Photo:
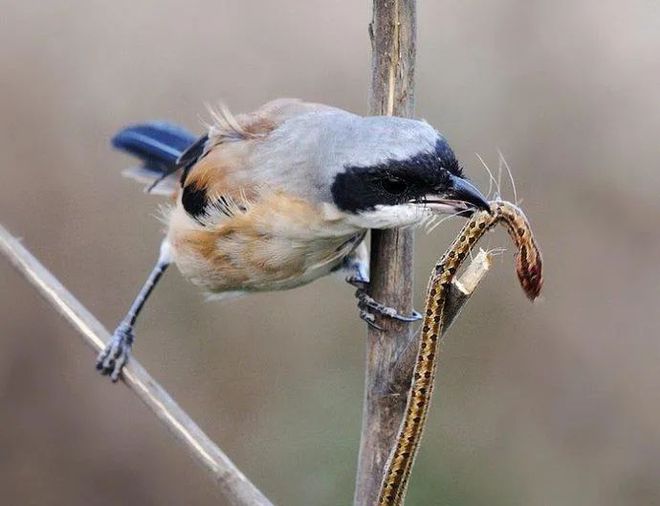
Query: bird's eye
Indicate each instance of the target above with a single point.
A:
(394, 185)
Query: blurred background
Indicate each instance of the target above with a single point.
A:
(552, 403)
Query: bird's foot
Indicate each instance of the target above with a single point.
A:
(368, 306)
(113, 358)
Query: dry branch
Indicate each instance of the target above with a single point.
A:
(391, 351)
(233, 484)
(393, 33)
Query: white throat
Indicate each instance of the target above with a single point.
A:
(402, 215)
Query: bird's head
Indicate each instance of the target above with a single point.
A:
(400, 191)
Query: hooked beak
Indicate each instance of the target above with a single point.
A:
(461, 196)
(464, 191)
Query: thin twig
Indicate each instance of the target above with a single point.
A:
(462, 288)
(233, 484)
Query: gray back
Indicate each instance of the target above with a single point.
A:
(306, 152)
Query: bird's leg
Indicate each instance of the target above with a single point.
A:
(116, 353)
(357, 266)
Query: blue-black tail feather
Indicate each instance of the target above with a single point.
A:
(157, 143)
(161, 147)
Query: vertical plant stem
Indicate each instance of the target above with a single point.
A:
(393, 33)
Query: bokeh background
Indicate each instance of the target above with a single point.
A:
(552, 403)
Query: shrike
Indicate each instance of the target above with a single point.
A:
(279, 197)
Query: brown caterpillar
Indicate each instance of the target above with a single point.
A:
(529, 270)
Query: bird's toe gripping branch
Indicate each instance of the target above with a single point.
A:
(368, 306)
(112, 359)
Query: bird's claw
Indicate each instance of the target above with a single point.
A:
(114, 356)
(368, 306)
(369, 318)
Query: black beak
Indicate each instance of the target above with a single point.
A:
(464, 191)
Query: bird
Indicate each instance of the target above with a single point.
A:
(279, 197)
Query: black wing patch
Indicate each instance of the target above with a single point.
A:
(199, 205)
(194, 201)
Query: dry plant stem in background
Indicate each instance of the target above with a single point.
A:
(393, 33)
(233, 484)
